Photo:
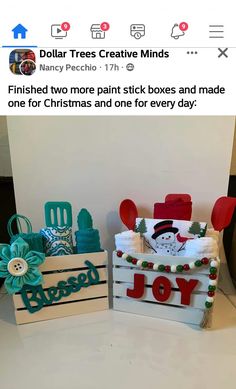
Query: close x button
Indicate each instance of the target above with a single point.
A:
(223, 52)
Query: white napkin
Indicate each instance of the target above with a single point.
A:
(129, 242)
(202, 247)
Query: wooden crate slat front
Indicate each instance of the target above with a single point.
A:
(146, 299)
(197, 300)
(91, 298)
(52, 279)
(85, 293)
(159, 259)
(56, 311)
(73, 261)
(127, 275)
(186, 315)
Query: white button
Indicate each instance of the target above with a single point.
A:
(17, 267)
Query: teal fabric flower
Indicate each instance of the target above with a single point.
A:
(19, 266)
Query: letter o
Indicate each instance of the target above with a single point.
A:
(163, 294)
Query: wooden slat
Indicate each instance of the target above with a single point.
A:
(74, 261)
(63, 310)
(185, 315)
(84, 293)
(127, 275)
(53, 279)
(197, 300)
(153, 258)
(71, 306)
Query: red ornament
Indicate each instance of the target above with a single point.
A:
(134, 261)
(205, 261)
(213, 276)
(167, 269)
(150, 265)
(119, 253)
(211, 294)
(186, 267)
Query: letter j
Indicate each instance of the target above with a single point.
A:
(139, 284)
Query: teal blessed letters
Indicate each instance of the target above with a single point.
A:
(34, 297)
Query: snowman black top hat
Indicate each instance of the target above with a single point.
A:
(162, 227)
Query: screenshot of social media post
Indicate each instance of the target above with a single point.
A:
(118, 195)
(132, 81)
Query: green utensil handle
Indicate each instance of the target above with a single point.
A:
(17, 217)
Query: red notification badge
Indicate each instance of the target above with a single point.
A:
(105, 26)
(65, 26)
(183, 26)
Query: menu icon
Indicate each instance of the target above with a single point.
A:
(216, 31)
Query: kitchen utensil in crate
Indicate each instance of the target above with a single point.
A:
(58, 214)
(222, 212)
(87, 238)
(173, 208)
(128, 213)
(58, 232)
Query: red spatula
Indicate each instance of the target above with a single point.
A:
(222, 212)
(128, 213)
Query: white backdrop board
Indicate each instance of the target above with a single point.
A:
(95, 162)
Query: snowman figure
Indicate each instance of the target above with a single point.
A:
(164, 236)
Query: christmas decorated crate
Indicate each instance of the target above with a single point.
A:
(167, 287)
(72, 285)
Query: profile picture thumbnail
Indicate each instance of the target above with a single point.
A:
(22, 62)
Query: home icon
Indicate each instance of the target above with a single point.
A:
(97, 32)
(19, 32)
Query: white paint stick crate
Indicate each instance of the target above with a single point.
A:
(60, 294)
(129, 294)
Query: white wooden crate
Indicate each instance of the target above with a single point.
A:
(55, 269)
(172, 308)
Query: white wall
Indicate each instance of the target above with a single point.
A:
(5, 161)
(95, 162)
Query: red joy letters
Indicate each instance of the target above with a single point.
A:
(162, 288)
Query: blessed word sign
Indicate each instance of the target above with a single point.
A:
(35, 297)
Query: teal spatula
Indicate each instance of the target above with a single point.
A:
(58, 214)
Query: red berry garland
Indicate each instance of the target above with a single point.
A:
(213, 276)
(211, 294)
